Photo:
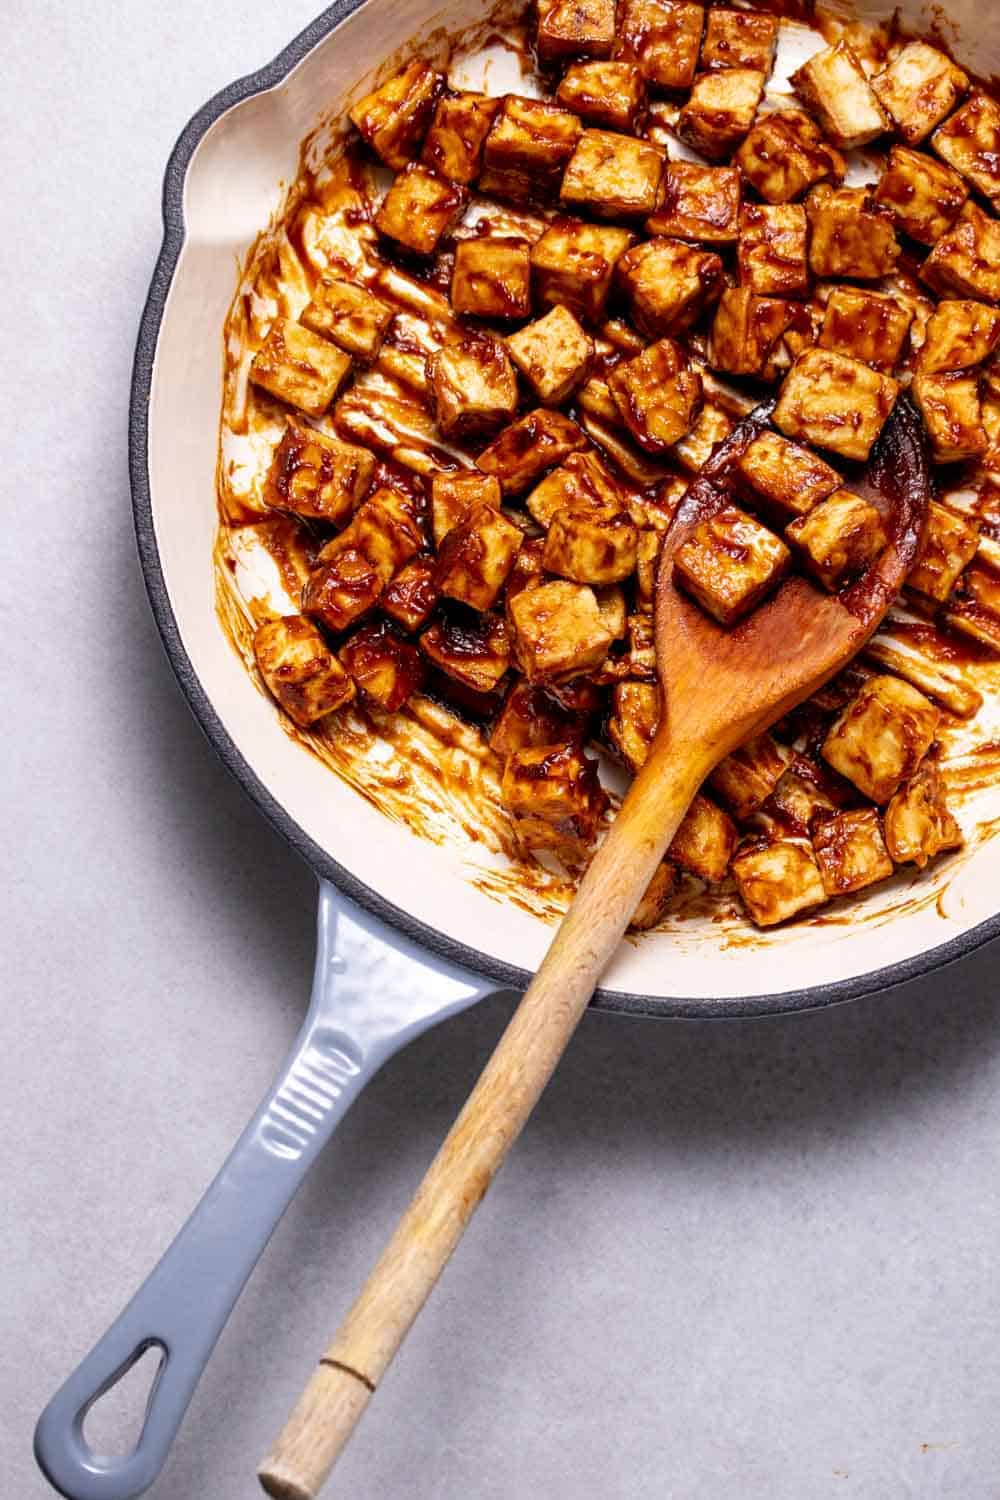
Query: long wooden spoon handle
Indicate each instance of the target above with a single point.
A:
(492, 1118)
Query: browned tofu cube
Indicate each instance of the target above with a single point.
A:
(772, 249)
(847, 236)
(299, 367)
(633, 721)
(959, 335)
(918, 822)
(835, 402)
(839, 537)
(393, 118)
(655, 899)
(300, 670)
(553, 354)
(492, 277)
(782, 479)
(342, 590)
(524, 451)
(556, 783)
(662, 38)
(970, 142)
(832, 84)
(473, 650)
(882, 736)
(559, 631)
(923, 196)
(804, 789)
(869, 326)
(720, 110)
(730, 563)
(777, 879)
(668, 284)
(711, 427)
(387, 669)
(658, 395)
(738, 39)
(592, 544)
(387, 529)
(613, 176)
(953, 413)
(611, 95)
(966, 260)
(754, 335)
(476, 557)
(575, 28)
(527, 572)
(572, 265)
(698, 203)
(918, 88)
(784, 154)
(947, 546)
(420, 208)
(581, 483)
(412, 594)
(454, 143)
(316, 476)
(532, 139)
(473, 386)
(850, 850)
(454, 495)
(531, 717)
(747, 777)
(703, 845)
(354, 319)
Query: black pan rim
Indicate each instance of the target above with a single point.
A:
(506, 976)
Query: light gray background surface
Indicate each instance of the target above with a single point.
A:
(727, 1262)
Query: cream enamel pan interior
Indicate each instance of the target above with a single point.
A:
(224, 183)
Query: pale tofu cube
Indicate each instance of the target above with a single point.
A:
(393, 118)
(953, 413)
(772, 247)
(746, 778)
(835, 402)
(524, 451)
(316, 476)
(662, 38)
(869, 326)
(531, 717)
(754, 335)
(610, 95)
(882, 736)
(387, 529)
(923, 196)
(591, 545)
(839, 538)
(850, 850)
(572, 265)
(559, 631)
(655, 899)
(556, 783)
(720, 110)
(473, 386)
(300, 670)
(698, 203)
(918, 822)
(782, 479)
(581, 483)
(730, 563)
(832, 84)
(386, 669)
(299, 367)
(420, 208)
(633, 721)
(738, 39)
(575, 28)
(613, 176)
(454, 495)
(919, 87)
(454, 143)
(492, 277)
(343, 590)
(785, 154)
(703, 845)
(553, 354)
(668, 285)
(966, 260)
(474, 651)
(959, 335)
(847, 236)
(658, 395)
(777, 878)
(948, 545)
(476, 556)
(350, 316)
(970, 142)
(530, 140)
(412, 594)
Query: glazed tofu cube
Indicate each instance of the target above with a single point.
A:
(553, 354)
(738, 39)
(641, 657)
(703, 845)
(572, 265)
(835, 402)
(772, 249)
(393, 118)
(698, 203)
(918, 822)
(386, 529)
(556, 783)
(948, 545)
(342, 590)
(299, 367)
(420, 208)
(747, 777)
(476, 557)
(591, 545)
(611, 95)
(959, 336)
(657, 394)
(575, 28)
(782, 479)
(918, 88)
(581, 483)
(655, 899)
(300, 670)
(784, 154)
(387, 669)
(559, 631)
(839, 538)
(355, 320)
(527, 572)
(473, 650)
(754, 335)
(720, 110)
(532, 138)
(473, 386)
(970, 142)
(923, 196)
(662, 38)
(953, 413)
(613, 176)
(412, 594)
(492, 278)
(730, 563)
(454, 143)
(711, 427)
(777, 878)
(632, 724)
(523, 452)
(668, 284)
(646, 563)
(531, 717)
(869, 326)
(832, 84)
(454, 495)
(316, 476)
(850, 850)
(882, 736)
(847, 236)
(966, 260)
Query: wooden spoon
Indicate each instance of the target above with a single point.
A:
(720, 688)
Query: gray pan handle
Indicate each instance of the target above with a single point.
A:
(373, 992)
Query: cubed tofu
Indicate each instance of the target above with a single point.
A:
(454, 495)
(658, 395)
(473, 386)
(835, 402)
(531, 139)
(531, 717)
(839, 538)
(966, 260)
(668, 285)
(919, 87)
(655, 899)
(355, 320)
(712, 425)
(772, 249)
(316, 476)
(387, 669)
(473, 650)
(959, 335)
(655, 509)
(785, 154)
(923, 196)
(610, 95)
(738, 39)
(454, 143)
(343, 590)
(869, 326)
(947, 546)
(553, 354)
(559, 631)
(633, 721)
(833, 85)
(662, 38)
(754, 335)
(299, 367)
(572, 265)
(782, 479)
(970, 142)
(412, 595)
(804, 789)
(882, 736)
(953, 413)
(591, 545)
(393, 118)
(492, 277)
(730, 563)
(720, 110)
(476, 557)
(848, 236)
(420, 208)
(300, 670)
(556, 783)
(850, 850)
(387, 529)
(613, 176)
(646, 564)
(777, 878)
(703, 845)
(918, 822)
(523, 452)
(746, 778)
(583, 482)
(698, 203)
(527, 572)
(575, 28)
